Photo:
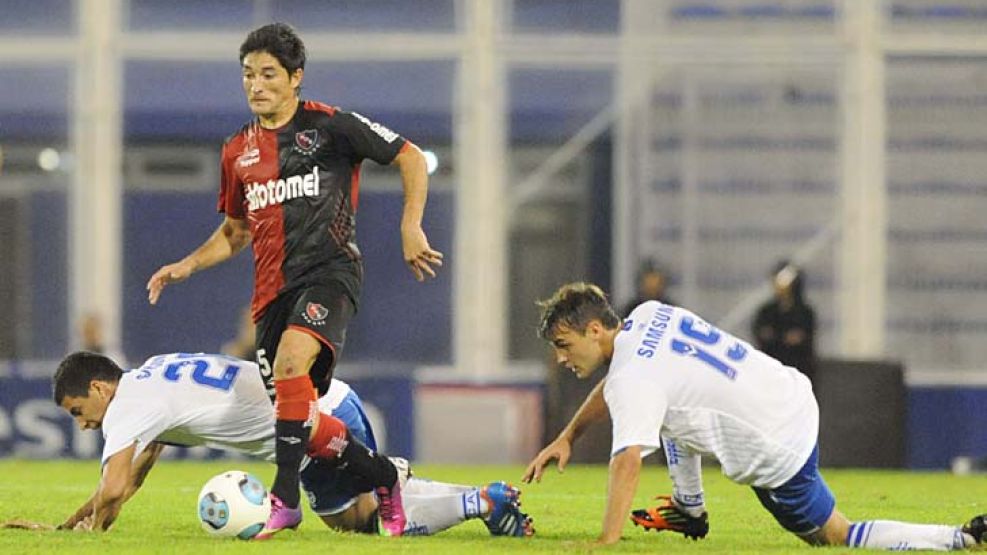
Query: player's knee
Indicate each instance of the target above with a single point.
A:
(345, 521)
(296, 354)
(359, 517)
(291, 364)
(285, 370)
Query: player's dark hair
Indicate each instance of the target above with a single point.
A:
(279, 40)
(78, 370)
(573, 307)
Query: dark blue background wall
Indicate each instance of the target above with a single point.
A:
(400, 319)
(946, 422)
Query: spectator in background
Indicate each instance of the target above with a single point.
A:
(651, 285)
(93, 339)
(91, 333)
(785, 326)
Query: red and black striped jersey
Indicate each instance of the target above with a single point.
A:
(298, 188)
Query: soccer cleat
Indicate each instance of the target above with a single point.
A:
(505, 518)
(390, 509)
(669, 517)
(977, 529)
(281, 518)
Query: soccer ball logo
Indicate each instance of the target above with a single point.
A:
(234, 504)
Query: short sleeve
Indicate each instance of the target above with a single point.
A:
(637, 410)
(230, 188)
(128, 422)
(367, 139)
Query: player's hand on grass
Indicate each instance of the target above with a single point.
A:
(172, 273)
(21, 524)
(78, 523)
(418, 255)
(84, 525)
(560, 449)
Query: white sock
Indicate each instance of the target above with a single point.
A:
(421, 486)
(685, 469)
(903, 536)
(432, 513)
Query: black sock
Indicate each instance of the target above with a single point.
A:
(290, 441)
(375, 469)
(372, 526)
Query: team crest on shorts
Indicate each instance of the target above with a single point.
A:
(306, 141)
(315, 314)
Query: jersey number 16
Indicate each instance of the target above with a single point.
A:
(702, 336)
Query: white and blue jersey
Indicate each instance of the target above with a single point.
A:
(220, 401)
(199, 399)
(191, 400)
(674, 375)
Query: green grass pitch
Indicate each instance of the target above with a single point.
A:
(567, 510)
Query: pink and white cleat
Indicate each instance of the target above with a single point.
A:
(390, 508)
(281, 518)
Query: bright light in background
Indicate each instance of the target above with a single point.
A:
(49, 159)
(431, 161)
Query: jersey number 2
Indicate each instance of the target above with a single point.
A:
(200, 373)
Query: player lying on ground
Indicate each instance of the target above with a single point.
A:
(672, 376)
(219, 401)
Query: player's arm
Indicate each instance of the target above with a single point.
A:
(141, 467)
(231, 237)
(84, 512)
(625, 472)
(113, 485)
(593, 409)
(139, 470)
(419, 256)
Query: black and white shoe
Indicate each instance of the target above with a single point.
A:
(977, 529)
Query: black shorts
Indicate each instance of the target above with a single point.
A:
(321, 311)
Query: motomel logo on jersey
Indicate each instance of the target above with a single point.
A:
(262, 195)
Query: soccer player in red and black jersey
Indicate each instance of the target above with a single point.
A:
(290, 184)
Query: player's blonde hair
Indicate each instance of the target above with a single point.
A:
(573, 307)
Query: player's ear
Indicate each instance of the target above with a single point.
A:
(295, 79)
(98, 388)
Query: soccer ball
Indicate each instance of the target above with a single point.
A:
(234, 504)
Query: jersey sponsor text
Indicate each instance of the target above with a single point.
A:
(262, 195)
(377, 128)
(656, 330)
